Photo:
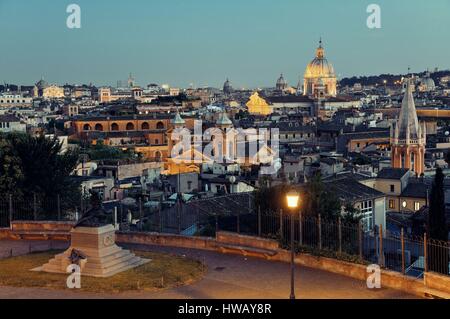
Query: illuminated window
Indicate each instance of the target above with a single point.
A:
(416, 206)
(391, 204)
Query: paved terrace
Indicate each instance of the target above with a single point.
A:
(228, 276)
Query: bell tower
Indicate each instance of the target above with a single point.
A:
(408, 137)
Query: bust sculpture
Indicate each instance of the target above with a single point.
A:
(95, 216)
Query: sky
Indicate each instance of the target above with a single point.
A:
(203, 42)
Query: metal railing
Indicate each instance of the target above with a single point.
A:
(410, 255)
(35, 209)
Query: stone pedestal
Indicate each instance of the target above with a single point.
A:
(103, 257)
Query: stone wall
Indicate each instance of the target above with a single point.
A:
(37, 230)
(166, 240)
(437, 282)
(242, 240)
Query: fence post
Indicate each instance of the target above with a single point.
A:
(10, 211)
(281, 224)
(34, 207)
(121, 212)
(381, 256)
(340, 235)
(58, 203)
(259, 221)
(179, 216)
(115, 217)
(197, 214)
(217, 224)
(300, 227)
(402, 234)
(319, 226)
(425, 252)
(360, 240)
(160, 215)
(238, 228)
(141, 216)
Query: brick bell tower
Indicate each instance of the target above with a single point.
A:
(408, 137)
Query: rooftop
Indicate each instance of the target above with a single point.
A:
(349, 189)
(392, 173)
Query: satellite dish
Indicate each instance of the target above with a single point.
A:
(447, 133)
(232, 179)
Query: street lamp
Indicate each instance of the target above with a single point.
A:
(293, 198)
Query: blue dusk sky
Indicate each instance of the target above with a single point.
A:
(205, 41)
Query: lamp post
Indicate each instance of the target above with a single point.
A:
(292, 202)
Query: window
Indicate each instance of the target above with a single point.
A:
(367, 215)
(392, 188)
(391, 204)
(416, 206)
(189, 185)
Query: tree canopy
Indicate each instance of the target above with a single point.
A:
(35, 165)
(315, 199)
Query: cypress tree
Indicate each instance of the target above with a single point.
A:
(438, 256)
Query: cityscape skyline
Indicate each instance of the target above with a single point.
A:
(251, 49)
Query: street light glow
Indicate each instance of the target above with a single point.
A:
(292, 199)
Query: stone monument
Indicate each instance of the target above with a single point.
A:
(93, 247)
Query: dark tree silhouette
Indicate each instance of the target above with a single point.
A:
(438, 256)
(35, 166)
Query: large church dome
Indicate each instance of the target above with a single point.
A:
(320, 74)
(227, 88)
(319, 67)
(281, 83)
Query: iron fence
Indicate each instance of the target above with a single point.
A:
(35, 209)
(410, 255)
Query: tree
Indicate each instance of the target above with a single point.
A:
(11, 175)
(438, 256)
(351, 215)
(271, 199)
(315, 199)
(437, 224)
(101, 151)
(35, 166)
(322, 200)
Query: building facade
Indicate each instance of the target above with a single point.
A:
(320, 76)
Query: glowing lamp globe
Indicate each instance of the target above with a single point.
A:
(292, 199)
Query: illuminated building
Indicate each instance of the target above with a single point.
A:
(408, 138)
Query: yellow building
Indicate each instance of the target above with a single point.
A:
(53, 92)
(257, 105)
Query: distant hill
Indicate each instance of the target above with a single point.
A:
(391, 78)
